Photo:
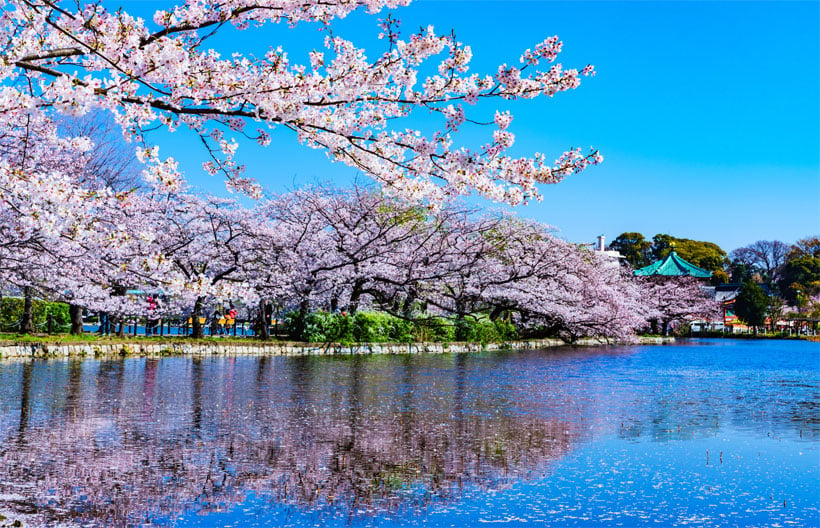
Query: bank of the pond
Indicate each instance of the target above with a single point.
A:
(274, 348)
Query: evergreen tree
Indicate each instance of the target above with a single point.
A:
(751, 304)
(634, 248)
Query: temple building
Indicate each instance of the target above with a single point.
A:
(672, 266)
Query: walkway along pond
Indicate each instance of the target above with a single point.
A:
(699, 433)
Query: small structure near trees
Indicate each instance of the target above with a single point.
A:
(674, 292)
(672, 265)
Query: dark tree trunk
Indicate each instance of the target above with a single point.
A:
(461, 325)
(195, 323)
(75, 313)
(355, 295)
(262, 322)
(27, 321)
(301, 320)
(118, 291)
(407, 309)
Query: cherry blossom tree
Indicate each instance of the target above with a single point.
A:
(41, 203)
(205, 242)
(675, 299)
(72, 58)
(337, 250)
(552, 287)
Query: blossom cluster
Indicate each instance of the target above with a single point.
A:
(74, 58)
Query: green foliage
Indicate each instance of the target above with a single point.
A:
(740, 273)
(378, 327)
(319, 327)
(481, 328)
(806, 247)
(363, 327)
(719, 277)
(634, 248)
(11, 311)
(435, 329)
(706, 255)
(751, 304)
(801, 274)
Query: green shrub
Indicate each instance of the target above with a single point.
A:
(11, 311)
(319, 327)
(379, 327)
(435, 329)
(481, 328)
(370, 327)
(506, 330)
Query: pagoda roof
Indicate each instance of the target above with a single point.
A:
(673, 266)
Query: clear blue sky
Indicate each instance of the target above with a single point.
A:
(707, 113)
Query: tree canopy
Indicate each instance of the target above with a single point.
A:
(640, 252)
(800, 279)
(752, 304)
(633, 247)
(160, 72)
(706, 255)
(765, 257)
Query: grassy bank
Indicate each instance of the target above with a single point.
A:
(96, 339)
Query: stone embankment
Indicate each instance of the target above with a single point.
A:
(274, 348)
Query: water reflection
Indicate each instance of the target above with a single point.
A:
(134, 441)
(143, 441)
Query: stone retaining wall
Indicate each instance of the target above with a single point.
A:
(256, 348)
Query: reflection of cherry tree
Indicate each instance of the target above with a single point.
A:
(95, 457)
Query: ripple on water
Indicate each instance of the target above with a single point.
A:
(702, 434)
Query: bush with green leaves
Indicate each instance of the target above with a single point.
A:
(11, 312)
(482, 328)
(435, 329)
(319, 327)
(379, 327)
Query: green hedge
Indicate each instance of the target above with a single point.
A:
(11, 311)
(379, 327)
(481, 328)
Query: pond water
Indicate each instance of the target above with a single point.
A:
(702, 433)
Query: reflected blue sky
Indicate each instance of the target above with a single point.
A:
(700, 434)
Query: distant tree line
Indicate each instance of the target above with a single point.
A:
(777, 277)
(640, 252)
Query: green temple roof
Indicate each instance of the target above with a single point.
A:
(673, 266)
